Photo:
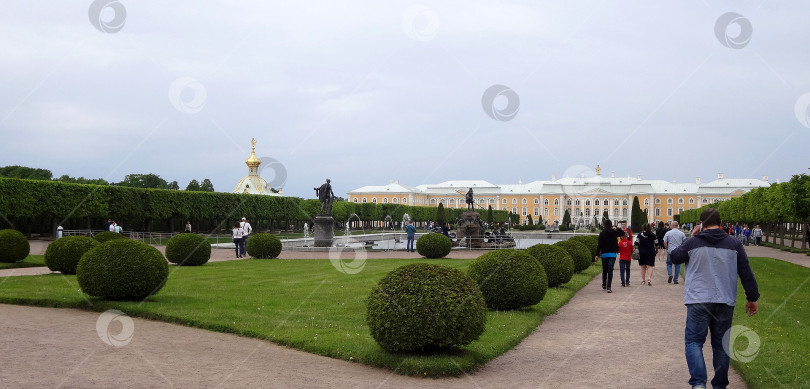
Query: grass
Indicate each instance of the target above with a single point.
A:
(29, 261)
(782, 324)
(303, 304)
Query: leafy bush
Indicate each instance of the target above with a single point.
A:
(579, 253)
(106, 236)
(562, 227)
(423, 307)
(122, 269)
(557, 263)
(14, 246)
(63, 254)
(590, 241)
(263, 245)
(509, 279)
(188, 250)
(433, 245)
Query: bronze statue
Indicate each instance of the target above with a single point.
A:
(470, 201)
(325, 195)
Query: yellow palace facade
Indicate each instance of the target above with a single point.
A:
(583, 197)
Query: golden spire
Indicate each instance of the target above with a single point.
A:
(598, 170)
(252, 162)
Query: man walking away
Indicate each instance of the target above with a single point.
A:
(713, 261)
(608, 247)
(411, 230)
(672, 239)
(757, 234)
(246, 230)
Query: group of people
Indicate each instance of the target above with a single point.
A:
(112, 226)
(744, 234)
(241, 231)
(714, 260)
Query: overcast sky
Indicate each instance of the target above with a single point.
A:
(365, 92)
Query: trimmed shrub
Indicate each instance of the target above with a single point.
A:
(63, 254)
(424, 307)
(188, 250)
(557, 263)
(263, 245)
(433, 245)
(14, 246)
(122, 269)
(509, 279)
(590, 241)
(579, 253)
(106, 236)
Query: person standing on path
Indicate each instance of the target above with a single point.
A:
(188, 226)
(608, 247)
(238, 233)
(659, 235)
(625, 259)
(411, 230)
(647, 251)
(746, 235)
(713, 261)
(672, 239)
(246, 230)
(757, 234)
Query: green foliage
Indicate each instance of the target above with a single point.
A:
(433, 245)
(509, 279)
(579, 253)
(206, 186)
(122, 269)
(441, 218)
(529, 220)
(263, 245)
(150, 180)
(637, 217)
(566, 221)
(590, 241)
(557, 263)
(490, 216)
(194, 186)
(82, 180)
(105, 236)
(29, 173)
(14, 246)
(188, 249)
(63, 254)
(424, 307)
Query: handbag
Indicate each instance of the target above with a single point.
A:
(635, 256)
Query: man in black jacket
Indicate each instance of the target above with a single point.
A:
(608, 247)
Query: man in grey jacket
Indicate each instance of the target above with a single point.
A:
(713, 261)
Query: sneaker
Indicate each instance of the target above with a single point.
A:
(604, 287)
(649, 283)
(609, 291)
(699, 387)
(669, 281)
(675, 282)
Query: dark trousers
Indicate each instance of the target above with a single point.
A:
(244, 245)
(624, 272)
(607, 270)
(702, 320)
(409, 245)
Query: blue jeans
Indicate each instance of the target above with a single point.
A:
(607, 270)
(409, 245)
(701, 318)
(669, 269)
(244, 245)
(624, 272)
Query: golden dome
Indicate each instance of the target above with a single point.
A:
(252, 161)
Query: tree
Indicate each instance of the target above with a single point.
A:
(193, 185)
(150, 180)
(82, 180)
(174, 185)
(605, 217)
(490, 216)
(207, 186)
(566, 219)
(529, 218)
(29, 173)
(441, 218)
(638, 217)
(539, 219)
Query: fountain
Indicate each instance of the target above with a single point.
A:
(405, 220)
(348, 229)
(388, 222)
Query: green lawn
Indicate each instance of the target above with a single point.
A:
(782, 324)
(304, 304)
(29, 261)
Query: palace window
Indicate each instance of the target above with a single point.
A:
(503, 209)
(680, 211)
(545, 202)
(374, 200)
(596, 211)
(536, 211)
(624, 212)
(616, 202)
(657, 212)
(556, 201)
(680, 201)
(669, 212)
(646, 202)
(442, 201)
(658, 201)
(514, 209)
(669, 201)
(404, 200)
(568, 202)
(545, 212)
(556, 212)
(492, 201)
(576, 202)
(587, 202)
(691, 200)
(525, 201)
(523, 211)
(705, 201)
(385, 200)
(452, 201)
(587, 212)
(514, 201)
(432, 201)
(355, 199)
(624, 202)
(364, 199)
(537, 201)
(596, 202)
(394, 200)
(615, 212)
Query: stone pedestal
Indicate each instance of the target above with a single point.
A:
(472, 227)
(324, 231)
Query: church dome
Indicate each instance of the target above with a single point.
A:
(253, 183)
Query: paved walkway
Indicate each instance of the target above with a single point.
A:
(631, 338)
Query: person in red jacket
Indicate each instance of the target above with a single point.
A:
(625, 254)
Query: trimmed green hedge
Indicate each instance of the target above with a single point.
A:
(424, 307)
(434, 245)
(557, 263)
(590, 241)
(122, 269)
(63, 254)
(106, 236)
(509, 279)
(579, 252)
(188, 249)
(14, 246)
(263, 245)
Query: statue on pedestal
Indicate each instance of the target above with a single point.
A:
(470, 201)
(325, 195)
(324, 223)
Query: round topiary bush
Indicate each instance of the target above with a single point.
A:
(433, 245)
(263, 245)
(424, 307)
(557, 263)
(579, 253)
(106, 236)
(509, 279)
(63, 254)
(122, 269)
(188, 250)
(14, 246)
(590, 241)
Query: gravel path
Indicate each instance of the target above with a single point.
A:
(631, 338)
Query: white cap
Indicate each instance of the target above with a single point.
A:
(244, 219)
